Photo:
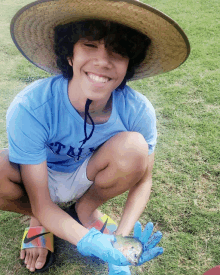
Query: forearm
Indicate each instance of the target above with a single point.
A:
(60, 223)
(136, 202)
(48, 213)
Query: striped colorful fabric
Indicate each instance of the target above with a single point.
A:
(37, 237)
(104, 224)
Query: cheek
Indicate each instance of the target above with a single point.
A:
(77, 65)
(125, 65)
(123, 70)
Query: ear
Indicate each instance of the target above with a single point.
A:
(69, 59)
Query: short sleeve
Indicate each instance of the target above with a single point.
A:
(26, 136)
(146, 125)
(141, 117)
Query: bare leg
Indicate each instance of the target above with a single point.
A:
(14, 198)
(115, 168)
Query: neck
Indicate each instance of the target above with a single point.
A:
(98, 111)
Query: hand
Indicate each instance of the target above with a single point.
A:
(148, 241)
(94, 243)
(118, 270)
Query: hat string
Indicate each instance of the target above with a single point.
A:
(88, 102)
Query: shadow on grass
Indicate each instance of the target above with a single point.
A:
(66, 253)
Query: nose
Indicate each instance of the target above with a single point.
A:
(103, 57)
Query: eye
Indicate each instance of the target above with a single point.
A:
(117, 55)
(90, 45)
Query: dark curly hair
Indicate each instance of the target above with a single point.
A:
(119, 38)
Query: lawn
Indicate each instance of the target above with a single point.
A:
(185, 198)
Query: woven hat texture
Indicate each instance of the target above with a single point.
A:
(32, 30)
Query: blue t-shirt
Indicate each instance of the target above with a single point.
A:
(43, 125)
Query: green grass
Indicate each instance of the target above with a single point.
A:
(185, 198)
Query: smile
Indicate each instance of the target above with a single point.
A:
(98, 79)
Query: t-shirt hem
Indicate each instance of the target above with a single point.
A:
(19, 161)
(150, 152)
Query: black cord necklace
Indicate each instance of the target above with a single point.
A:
(88, 102)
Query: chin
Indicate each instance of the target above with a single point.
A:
(99, 95)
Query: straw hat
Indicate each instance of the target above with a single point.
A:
(32, 30)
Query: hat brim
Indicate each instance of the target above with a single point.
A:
(32, 30)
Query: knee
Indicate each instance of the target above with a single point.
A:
(3, 166)
(9, 179)
(131, 152)
(10, 191)
(2, 204)
(124, 158)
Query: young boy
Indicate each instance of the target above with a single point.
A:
(83, 135)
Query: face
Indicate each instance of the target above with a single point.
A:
(96, 70)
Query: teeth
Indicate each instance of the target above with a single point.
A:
(97, 78)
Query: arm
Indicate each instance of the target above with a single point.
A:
(48, 213)
(137, 199)
(89, 242)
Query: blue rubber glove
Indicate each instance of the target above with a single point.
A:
(148, 241)
(94, 243)
(118, 270)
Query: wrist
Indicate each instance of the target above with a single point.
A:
(81, 234)
(86, 239)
